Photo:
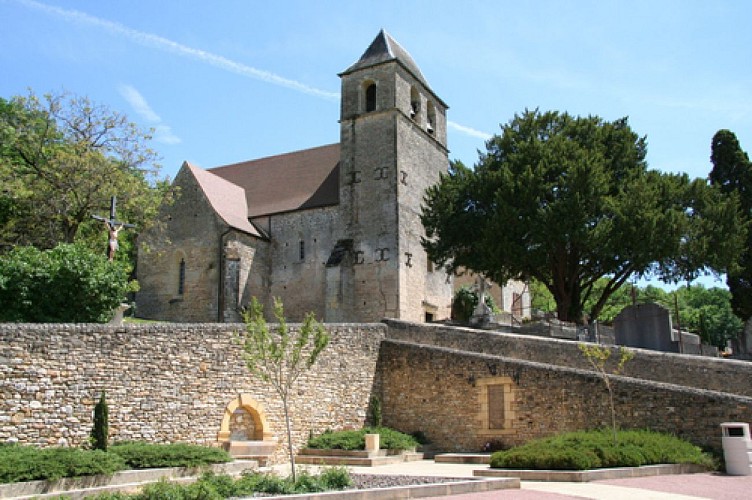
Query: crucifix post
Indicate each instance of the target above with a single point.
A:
(114, 226)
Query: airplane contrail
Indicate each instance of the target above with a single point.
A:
(151, 40)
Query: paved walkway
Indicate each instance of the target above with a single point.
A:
(673, 487)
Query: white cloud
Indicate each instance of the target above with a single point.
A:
(138, 103)
(162, 133)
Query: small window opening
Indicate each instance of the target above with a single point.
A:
(371, 97)
(429, 317)
(414, 103)
(181, 277)
(302, 250)
(431, 126)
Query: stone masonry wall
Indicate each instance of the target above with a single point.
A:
(439, 391)
(714, 374)
(167, 383)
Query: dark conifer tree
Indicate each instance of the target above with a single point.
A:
(100, 432)
(732, 171)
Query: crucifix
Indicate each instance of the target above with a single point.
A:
(114, 226)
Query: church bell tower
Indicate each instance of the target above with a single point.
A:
(393, 147)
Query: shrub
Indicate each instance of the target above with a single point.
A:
(145, 455)
(355, 440)
(27, 463)
(335, 478)
(390, 439)
(68, 284)
(595, 449)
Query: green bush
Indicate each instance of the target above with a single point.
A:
(146, 455)
(596, 449)
(335, 478)
(356, 440)
(68, 284)
(27, 463)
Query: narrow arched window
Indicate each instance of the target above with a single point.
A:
(371, 97)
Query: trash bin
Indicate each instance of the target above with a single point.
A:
(737, 448)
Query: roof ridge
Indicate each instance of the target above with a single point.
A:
(279, 155)
(226, 198)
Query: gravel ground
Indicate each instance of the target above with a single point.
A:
(366, 481)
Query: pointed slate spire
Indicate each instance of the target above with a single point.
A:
(383, 49)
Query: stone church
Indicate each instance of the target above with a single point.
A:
(335, 229)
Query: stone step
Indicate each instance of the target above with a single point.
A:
(358, 460)
(346, 453)
(463, 458)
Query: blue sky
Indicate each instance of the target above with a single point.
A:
(227, 81)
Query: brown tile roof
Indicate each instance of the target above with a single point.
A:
(227, 199)
(287, 182)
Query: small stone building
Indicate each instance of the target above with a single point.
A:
(335, 229)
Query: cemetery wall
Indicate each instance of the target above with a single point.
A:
(444, 393)
(700, 372)
(170, 382)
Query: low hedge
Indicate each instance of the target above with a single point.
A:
(586, 450)
(356, 440)
(140, 455)
(29, 463)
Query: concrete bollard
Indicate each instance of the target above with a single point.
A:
(372, 443)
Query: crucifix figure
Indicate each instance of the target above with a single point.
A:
(114, 226)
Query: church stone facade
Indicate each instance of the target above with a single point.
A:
(334, 230)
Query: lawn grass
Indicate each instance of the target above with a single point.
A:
(584, 450)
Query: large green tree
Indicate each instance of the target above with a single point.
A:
(569, 200)
(61, 159)
(732, 172)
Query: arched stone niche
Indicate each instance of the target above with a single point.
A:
(244, 420)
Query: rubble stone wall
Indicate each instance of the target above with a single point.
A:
(169, 382)
(443, 393)
(701, 372)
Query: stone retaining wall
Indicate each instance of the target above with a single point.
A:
(180, 382)
(168, 382)
(715, 374)
(439, 391)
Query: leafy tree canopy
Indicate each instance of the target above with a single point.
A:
(68, 284)
(61, 159)
(732, 172)
(569, 200)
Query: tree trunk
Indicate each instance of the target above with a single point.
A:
(289, 438)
